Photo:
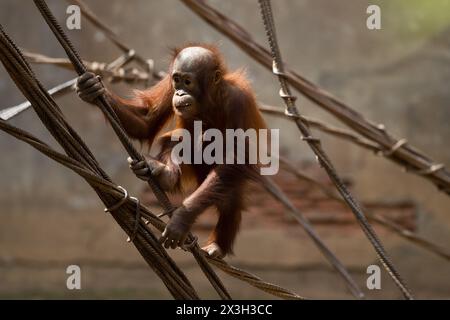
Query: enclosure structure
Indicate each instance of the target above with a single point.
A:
(375, 137)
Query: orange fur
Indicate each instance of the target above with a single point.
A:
(227, 104)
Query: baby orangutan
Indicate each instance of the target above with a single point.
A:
(198, 87)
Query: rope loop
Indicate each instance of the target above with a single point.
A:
(137, 219)
(120, 202)
(400, 143)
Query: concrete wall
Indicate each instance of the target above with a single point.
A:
(397, 76)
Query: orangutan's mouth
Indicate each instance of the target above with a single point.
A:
(183, 102)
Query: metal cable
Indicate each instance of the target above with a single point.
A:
(266, 12)
(78, 153)
(134, 154)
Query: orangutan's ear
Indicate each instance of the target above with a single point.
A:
(217, 76)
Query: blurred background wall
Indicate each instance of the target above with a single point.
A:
(398, 76)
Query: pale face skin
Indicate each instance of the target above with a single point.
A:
(188, 64)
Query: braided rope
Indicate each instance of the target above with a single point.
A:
(116, 191)
(82, 160)
(238, 273)
(266, 12)
(103, 104)
(376, 133)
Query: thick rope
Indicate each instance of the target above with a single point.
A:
(126, 142)
(381, 220)
(80, 156)
(347, 135)
(291, 110)
(100, 183)
(279, 195)
(135, 75)
(334, 261)
(426, 244)
(115, 191)
(407, 156)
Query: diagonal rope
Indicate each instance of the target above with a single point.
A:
(349, 136)
(112, 189)
(82, 160)
(103, 104)
(272, 188)
(383, 221)
(339, 132)
(314, 143)
(409, 157)
(111, 194)
(276, 192)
